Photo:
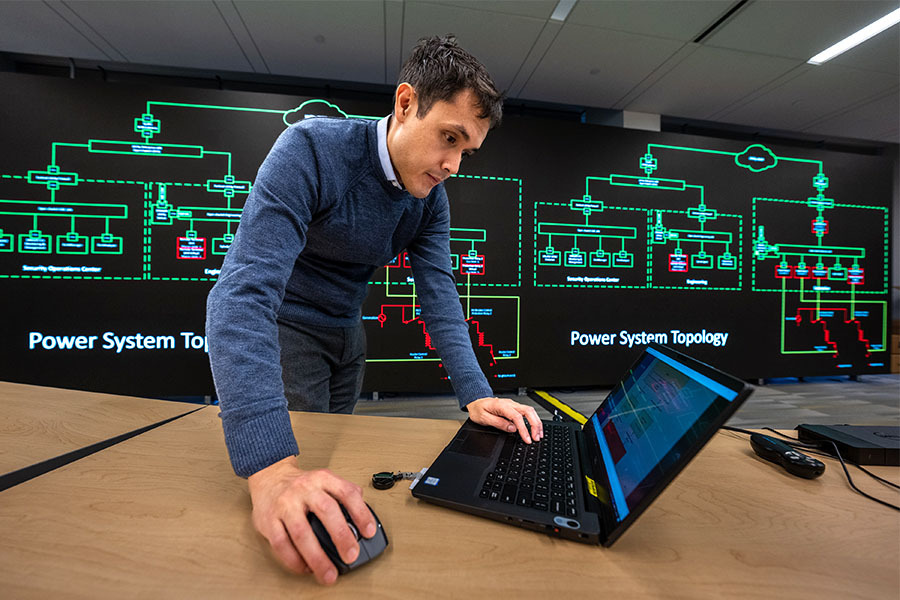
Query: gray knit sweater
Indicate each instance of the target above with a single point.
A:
(320, 219)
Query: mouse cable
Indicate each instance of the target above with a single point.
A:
(794, 442)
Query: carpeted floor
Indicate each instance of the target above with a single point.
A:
(872, 400)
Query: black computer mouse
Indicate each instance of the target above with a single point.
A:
(368, 548)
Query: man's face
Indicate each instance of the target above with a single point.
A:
(428, 150)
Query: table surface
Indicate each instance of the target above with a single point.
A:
(39, 423)
(163, 515)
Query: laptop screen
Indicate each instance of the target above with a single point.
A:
(661, 412)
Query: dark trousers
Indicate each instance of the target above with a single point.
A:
(322, 367)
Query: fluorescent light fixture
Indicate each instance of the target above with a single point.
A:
(563, 7)
(857, 38)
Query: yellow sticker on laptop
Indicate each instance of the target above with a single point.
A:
(592, 486)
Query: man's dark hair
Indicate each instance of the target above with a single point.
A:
(438, 69)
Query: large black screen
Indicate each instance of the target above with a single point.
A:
(573, 245)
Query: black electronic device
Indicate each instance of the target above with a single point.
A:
(369, 548)
(590, 483)
(780, 453)
(861, 444)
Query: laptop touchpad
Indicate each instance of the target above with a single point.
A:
(474, 443)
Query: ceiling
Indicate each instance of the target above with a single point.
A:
(669, 57)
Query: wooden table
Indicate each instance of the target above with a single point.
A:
(162, 516)
(40, 423)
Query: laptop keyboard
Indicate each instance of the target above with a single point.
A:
(539, 475)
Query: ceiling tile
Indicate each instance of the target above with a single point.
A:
(596, 67)
(180, 34)
(343, 41)
(538, 9)
(239, 30)
(535, 55)
(677, 19)
(881, 53)
(796, 29)
(500, 42)
(708, 81)
(617, 54)
(867, 121)
(34, 28)
(814, 94)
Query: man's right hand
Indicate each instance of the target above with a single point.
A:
(283, 494)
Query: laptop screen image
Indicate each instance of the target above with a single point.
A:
(651, 423)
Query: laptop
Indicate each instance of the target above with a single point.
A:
(590, 483)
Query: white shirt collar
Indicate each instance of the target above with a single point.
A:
(383, 154)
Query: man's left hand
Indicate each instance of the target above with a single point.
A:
(506, 415)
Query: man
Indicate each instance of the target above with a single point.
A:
(334, 201)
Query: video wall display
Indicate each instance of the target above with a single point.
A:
(573, 245)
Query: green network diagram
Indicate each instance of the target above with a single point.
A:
(482, 258)
(610, 239)
(167, 228)
(587, 242)
(163, 229)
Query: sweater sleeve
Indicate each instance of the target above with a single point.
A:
(240, 313)
(429, 256)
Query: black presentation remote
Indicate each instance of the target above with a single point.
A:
(780, 453)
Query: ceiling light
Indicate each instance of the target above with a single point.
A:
(563, 7)
(857, 38)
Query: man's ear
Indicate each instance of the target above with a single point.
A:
(405, 104)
